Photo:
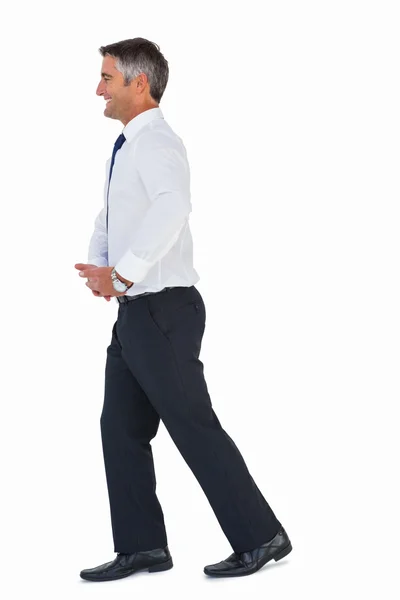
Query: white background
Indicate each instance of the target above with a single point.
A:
(289, 112)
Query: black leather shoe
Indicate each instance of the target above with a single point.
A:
(127, 564)
(246, 563)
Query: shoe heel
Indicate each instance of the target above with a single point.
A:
(161, 566)
(283, 552)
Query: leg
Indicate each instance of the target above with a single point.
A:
(128, 423)
(161, 338)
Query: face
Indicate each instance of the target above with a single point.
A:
(121, 101)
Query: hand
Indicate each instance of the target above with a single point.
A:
(84, 266)
(95, 293)
(99, 279)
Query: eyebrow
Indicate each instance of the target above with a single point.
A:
(106, 75)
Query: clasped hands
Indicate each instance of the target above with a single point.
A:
(99, 280)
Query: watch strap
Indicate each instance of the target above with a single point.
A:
(115, 278)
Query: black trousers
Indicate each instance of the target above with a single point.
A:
(153, 372)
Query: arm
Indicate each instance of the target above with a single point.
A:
(164, 171)
(98, 245)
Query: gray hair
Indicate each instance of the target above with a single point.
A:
(136, 56)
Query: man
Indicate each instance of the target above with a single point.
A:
(141, 253)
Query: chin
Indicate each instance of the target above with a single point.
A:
(109, 115)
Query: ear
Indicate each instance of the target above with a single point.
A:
(141, 81)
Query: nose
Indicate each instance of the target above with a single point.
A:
(100, 89)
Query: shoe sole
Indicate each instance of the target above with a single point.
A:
(165, 566)
(276, 557)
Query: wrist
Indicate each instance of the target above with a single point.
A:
(126, 281)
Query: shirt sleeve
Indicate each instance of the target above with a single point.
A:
(163, 168)
(98, 245)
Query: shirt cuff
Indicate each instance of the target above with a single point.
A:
(132, 268)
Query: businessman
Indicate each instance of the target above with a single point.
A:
(141, 253)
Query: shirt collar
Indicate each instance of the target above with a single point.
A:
(135, 124)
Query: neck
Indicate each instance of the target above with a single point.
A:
(137, 110)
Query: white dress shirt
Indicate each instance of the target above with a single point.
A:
(149, 240)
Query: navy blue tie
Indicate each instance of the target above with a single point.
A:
(120, 140)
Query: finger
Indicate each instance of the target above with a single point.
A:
(81, 266)
(88, 272)
(96, 293)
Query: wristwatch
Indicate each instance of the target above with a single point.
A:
(118, 285)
